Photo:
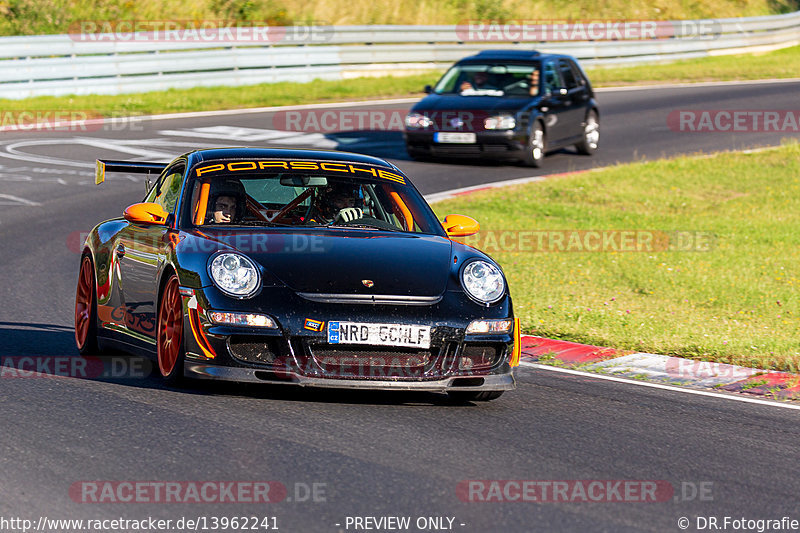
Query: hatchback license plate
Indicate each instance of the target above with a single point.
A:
(454, 137)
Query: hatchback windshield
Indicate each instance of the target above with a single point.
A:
(484, 79)
(308, 194)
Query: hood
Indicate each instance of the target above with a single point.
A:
(455, 102)
(336, 261)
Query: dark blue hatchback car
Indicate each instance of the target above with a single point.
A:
(506, 105)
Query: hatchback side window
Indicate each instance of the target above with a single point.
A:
(577, 73)
(566, 73)
(552, 81)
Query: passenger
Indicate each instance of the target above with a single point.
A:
(533, 83)
(336, 204)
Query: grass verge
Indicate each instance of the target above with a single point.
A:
(779, 64)
(733, 301)
(28, 17)
(784, 63)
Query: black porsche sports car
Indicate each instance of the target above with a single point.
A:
(506, 105)
(304, 267)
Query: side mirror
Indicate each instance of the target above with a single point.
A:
(146, 213)
(460, 226)
(428, 89)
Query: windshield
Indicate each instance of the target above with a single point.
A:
(490, 79)
(306, 194)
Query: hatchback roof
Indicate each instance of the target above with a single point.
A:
(505, 54)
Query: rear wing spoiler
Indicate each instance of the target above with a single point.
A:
(131, 167)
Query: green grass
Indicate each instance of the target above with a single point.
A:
(754, 384)
(783, 63)
(736, 303)
(27, 17)
(779, 64)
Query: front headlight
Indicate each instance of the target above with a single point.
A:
(483, 281)
(418, 121)
(500, 122)
(489, 326)
(235, 275)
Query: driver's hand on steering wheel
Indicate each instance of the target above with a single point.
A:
(348, 214)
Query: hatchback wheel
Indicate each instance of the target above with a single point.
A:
(591, 135)
(537, 142)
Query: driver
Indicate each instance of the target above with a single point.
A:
(226, 203)
(480, 80)
(339, 202)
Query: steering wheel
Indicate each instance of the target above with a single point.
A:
(370, 221)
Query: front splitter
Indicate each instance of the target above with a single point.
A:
(493, 382)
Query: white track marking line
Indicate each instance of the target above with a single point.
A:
(16, 200)
(272, 109)
(770, 403)
(446, 195)
(146, 148)
(696, 84)
(233, 133)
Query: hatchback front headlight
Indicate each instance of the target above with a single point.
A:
(418, 121)
(500, 122)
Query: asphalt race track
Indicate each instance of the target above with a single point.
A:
(360, 454)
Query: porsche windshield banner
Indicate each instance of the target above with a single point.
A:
(299, 166)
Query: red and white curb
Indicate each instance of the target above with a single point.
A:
(661, 368)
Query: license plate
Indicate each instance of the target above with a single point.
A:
(379, 334)
(454, 137)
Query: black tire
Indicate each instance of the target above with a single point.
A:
(86, 308)
(474, 396)
(591, 134)
(537, 146)
(417, 155)
(170, 352)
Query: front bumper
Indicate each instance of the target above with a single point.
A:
(494, 382)
(295, 354)
(504, 145)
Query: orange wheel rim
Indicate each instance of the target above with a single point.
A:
(83, 302)
(170, 327)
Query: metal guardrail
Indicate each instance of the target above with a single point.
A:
(134, 62)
